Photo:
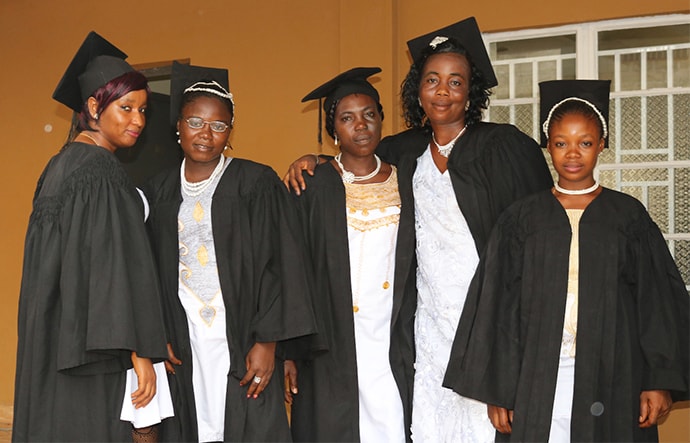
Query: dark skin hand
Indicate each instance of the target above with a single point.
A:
(260, 362)
(293, 178)
(290, 370)
(143, 367)
(172, 360)
(501, 418)
(653, 406)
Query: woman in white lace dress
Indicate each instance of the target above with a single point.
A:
(462, 173)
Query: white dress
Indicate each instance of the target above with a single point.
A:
(447, 258)
(200, 295)
(373, 213)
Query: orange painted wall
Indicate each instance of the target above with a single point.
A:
(276, 51)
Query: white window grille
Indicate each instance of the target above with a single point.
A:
(648, 61)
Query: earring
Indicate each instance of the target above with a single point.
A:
(336, 139)
(95, 116)
(178, 137)
(419, 100)
(467, 106)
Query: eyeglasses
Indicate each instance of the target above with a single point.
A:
(198, 123)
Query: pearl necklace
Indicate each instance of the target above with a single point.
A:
(577, 191)
(194, 189)
(349, 177)
(444, 150)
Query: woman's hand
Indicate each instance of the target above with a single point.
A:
(501, 418)
(172, 360)
(653, 406)
(293, 178)
(290, 370)
(147, 381)
(260, 362)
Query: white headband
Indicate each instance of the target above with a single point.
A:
(203, 87)
(545, 126)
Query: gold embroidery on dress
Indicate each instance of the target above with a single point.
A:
(198, 212)
(369, 196)
(202, 255)
(368, 225)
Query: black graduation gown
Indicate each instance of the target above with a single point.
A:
(264, 286)
(89, 296)
(632, 319)
(327, 406)
(491, 166)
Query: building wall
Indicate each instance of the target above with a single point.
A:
(276, 51)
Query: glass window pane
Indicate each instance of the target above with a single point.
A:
(502, 91)
(546, 70)
(656, 69)
(681, 68)
(644, 37)
(533, 47)
(607, 70)
(630, 72)
(523, 80)
(568, 69)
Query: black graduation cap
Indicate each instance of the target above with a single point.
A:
(96, 63)
(467, 33)
(183, 76)
(353, 81)
(552, 92)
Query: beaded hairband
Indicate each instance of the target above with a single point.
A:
(220, 92)
(545, 126)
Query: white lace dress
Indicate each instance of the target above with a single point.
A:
(447, 258)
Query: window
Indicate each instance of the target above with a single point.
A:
(648, 62)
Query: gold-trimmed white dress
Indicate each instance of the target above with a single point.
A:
(373, 213)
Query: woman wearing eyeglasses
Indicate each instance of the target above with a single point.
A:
(231, 273)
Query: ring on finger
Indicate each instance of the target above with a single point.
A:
(257, 379)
